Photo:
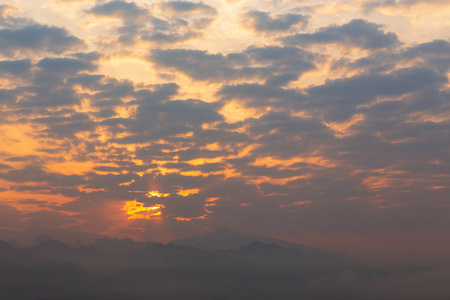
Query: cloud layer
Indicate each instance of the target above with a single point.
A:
(217, 113)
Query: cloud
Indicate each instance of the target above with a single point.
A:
(253, 62)
(372, 5)
(260, 21)
(257, 95)
(65, 65)
(362, 89)
(256, 131)
(198, 64)
(37, 38)
(357, 33)
(434, 47)
(141, 25)
(38, 174)
(15, 68)
(433, 54)
(6, 9)
(127, 11)
(170, 37)
(66, 126)
(284, 59)
(397, 82)
(21, 35)
(187, 7)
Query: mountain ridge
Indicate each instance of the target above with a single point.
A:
(224, 238)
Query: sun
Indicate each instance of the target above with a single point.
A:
(137, 210)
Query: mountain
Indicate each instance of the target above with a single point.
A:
(43, 238)
(224, 238)
(123, 269)
(114, 246)
(27, 237)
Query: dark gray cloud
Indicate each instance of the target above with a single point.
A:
(261, 21)
(281, 80)
(298, 135)
(187, 7)
(170, 36)
(257, 95)
(199, 64)
(22, 158)
(119, 9)
(357, 33)
(436, 47)
(4, 166)
(373, 5)
(350, 92)
(65, 65)
(15, 67)
(281, 60)
(433, 55)
(398, 82)
(162, 121)
(173, 28)
(180, 21)
(28, 36)
(253, 62)
(66, 126)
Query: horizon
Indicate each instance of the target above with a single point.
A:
(360, 246)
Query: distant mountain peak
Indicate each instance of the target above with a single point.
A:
(5, 245)
(52, 245)
(223, 238)
(115, 245)
(42, 238)
(224, 230)
(260, 246)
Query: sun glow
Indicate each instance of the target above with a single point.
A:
(157, 194)
(188, 192)
(137, 210)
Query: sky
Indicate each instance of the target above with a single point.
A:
(322, 122)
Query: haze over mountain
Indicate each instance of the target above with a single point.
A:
(26, 237)
(265, 268)
(224, 238)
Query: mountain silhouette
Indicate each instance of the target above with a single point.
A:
(114, 246)
(123, 269)
(224, 238)
(43, 238)
(26, 238)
